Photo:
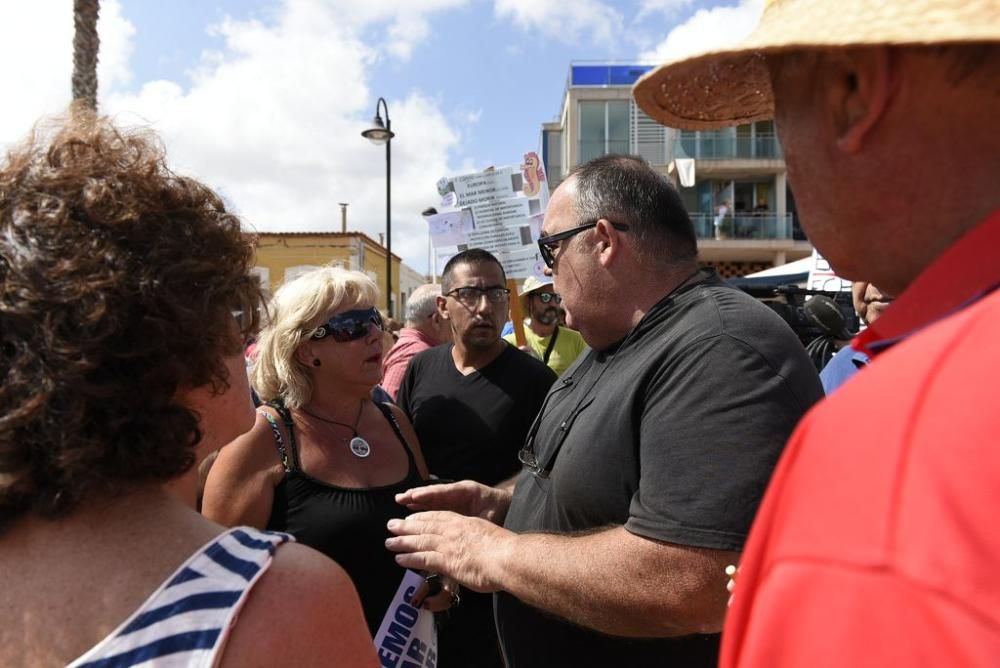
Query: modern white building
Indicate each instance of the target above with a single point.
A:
(741, 166)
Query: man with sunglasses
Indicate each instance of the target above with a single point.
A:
(471, 404)
(555, 345)
(647, 462)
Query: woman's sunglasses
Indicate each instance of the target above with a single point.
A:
(349, 325)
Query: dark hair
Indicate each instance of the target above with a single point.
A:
(118, 282)
(625, 189)
(472, 256)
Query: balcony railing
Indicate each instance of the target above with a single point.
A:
(743, 226)
(717, 146)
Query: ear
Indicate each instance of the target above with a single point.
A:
(442, 307)
(304, 354)
(861, 86)
(608, 242)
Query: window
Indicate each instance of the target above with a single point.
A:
(604, 128)
(553, 158)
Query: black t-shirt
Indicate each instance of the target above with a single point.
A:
(672, 433)
(472, 427)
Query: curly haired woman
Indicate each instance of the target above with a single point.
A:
(125, 298)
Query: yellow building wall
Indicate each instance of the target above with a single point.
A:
(281, 255)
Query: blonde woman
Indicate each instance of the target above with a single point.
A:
(323, 461)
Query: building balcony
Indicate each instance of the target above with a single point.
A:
(726, 146)
(744, 226)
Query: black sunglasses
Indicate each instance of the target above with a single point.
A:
(349, 325)
(546, 245)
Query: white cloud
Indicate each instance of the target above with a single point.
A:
(707, 30)
(563, 20)
(407, 20)
(272, 118)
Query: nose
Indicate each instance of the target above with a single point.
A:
(483, 304)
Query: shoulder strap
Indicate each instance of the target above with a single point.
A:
(552, 344)
(394, 423)
(289, 457)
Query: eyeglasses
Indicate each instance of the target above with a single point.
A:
(548, 297)
(349, 325)
(247, 317)
(470, 296)
(548, 244)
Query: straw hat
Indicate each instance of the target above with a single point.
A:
(532, 283)
(732, 86)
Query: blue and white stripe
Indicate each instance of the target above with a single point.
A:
(186, 621)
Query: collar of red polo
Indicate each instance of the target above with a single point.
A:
(968, 270)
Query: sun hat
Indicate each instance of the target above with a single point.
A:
(732, 86)
(532, 283)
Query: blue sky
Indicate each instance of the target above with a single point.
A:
(265, 99)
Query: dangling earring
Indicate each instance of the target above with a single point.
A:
(316, 362)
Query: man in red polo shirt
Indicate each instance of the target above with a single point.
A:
(877, 542)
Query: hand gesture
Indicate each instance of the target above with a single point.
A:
(465, 498)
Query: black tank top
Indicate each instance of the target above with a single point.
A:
(344, 523)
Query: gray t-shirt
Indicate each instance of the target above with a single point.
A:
(673, 433)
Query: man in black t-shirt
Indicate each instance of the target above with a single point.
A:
(645, 467)
(471, 404)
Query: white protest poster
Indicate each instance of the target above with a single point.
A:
(451, 228)
(499, 210)
(523, 262)
(407, 637)
(497, 183)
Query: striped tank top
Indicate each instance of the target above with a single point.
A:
(188, 618)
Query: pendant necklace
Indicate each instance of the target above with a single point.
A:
(359, 446)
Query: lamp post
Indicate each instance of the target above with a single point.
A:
(381, 133)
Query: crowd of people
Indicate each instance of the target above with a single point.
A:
(657, 480)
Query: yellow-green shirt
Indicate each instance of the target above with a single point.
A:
(569, 345)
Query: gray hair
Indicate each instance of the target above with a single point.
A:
(422, 304)
(625, 189)
(299, 307)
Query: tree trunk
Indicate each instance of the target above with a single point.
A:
(85, 46)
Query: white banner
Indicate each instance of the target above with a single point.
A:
(499, 210)
(407, 637)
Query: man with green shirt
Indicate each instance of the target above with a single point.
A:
(557, 346)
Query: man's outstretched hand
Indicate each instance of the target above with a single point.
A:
(469, 549)
(465, 498)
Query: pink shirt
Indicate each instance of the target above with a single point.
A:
(411, 342)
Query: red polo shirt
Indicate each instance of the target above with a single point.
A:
(394, 364)
(878, 541)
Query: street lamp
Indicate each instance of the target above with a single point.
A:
(382, 134)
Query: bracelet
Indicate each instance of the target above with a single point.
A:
(433, 584)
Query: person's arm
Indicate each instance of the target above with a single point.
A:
(304, 611)
(240, 486)
(610, 580)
